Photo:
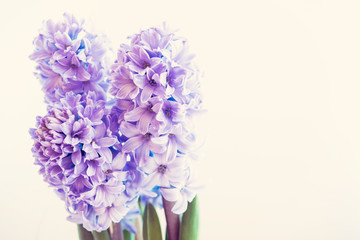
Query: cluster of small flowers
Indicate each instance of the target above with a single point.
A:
(77, 154)
(76, 144)
(101, 155)
(157, 91)
(70, 59)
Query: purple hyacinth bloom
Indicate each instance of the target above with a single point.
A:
(79, 184)
(76, 132)
(116, 167)
(140, 60)
(165, 172)
(181, 197)
(74, 26)
(113, 122)
(175, 80)
(157, 65)
(153, 40)
(113, 213)
(123, 86)
(145, 114)
(171, 113)
(64, 45)
(66, 54)
(94, 83)
(135, 178)
(178, 141)
(100, 155)
(76, 123)
(100, 144)
(105, 193)
(182, 55)
(142, 142)
(50, 79)
(123, 106)
(94, 169)
(152, 83)
(70, 67)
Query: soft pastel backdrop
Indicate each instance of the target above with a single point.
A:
(282, 134)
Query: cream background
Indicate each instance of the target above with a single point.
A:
(281, 83)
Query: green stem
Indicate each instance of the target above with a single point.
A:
(83, 233)
(128, 236)
(104, 235)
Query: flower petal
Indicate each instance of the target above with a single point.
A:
(106, 141)
(140, 80)
(180, 206)
(104, 220)
(146, 93)
(170, 194)
(100, 130)
(133, 143)
(171, 150)
(119, 161)
(116, 215)
(129, 130)
(157, 148)
(152, 180)
(99, 196)
(150, 167)
(76, 157)
(105, 153)
(145, 121)
(134, 115)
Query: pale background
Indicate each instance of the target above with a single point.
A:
(281, 85)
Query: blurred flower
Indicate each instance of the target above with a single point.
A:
(70, 58)
(127, 223)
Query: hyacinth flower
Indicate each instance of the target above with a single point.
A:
(155, 77)
(115, 160)
(69, 58)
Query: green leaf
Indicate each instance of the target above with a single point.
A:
(83, 233)
(128, 235)
(151, 224)
(104, 235)
(189, 228)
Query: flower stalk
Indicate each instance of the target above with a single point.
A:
(83, 233)
(172, 220)
(116, 232)
(104, 235)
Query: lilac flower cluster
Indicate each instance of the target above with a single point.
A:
(69, 58)
(157, 91)
(77, 154)
(100, 155)
(76, 144)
